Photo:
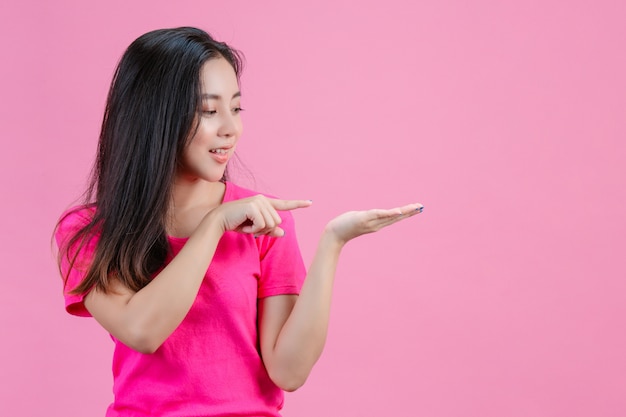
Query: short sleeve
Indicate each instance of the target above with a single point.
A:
(71, 222)
(282, 268)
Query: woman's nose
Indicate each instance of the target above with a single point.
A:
(228, 126)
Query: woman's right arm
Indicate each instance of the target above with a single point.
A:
(142, 320)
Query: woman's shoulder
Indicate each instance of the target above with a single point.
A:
(78, 215)
(73, 220)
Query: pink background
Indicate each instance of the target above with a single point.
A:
(506, 297)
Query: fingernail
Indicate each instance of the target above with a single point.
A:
(420, 209)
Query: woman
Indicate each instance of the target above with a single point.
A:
(199, 282)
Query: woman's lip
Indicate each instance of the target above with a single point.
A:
(220, 157)
(226, 148)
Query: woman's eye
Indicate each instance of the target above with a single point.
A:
(237, 110)
(209, 112)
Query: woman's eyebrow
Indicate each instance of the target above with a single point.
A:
(218, 97)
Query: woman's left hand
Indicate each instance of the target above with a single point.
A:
(356, 223)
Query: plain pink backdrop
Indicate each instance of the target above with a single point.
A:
(506, 297)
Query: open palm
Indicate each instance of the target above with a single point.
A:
(352, 224)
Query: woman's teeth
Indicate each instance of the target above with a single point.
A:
(219, 151)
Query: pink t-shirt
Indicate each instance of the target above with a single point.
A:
(210, 365)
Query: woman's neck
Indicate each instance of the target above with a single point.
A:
(191, 201)
(189, 193)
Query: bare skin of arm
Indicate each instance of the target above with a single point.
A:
(143, 320)
(292, 328)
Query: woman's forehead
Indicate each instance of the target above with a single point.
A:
(219, 80)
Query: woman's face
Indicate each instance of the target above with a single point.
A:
(219, 127)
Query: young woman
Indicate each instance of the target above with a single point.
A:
(199, 282)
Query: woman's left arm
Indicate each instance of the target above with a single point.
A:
(293, 328)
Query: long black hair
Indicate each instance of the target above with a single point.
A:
(151, 114)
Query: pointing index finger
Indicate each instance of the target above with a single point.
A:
(289, 204)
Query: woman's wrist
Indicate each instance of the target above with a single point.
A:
(211, 225)
(331, 240)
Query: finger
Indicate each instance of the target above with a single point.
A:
(388, 222)
(258, 221)
(398, 212)
(382, 214)
(384, 222)
(276, 232)
(274, 214)
(289, 204)
(269, 220)
(411, 209)
(384, 218)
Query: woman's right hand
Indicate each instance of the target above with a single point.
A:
(143, 320)
(257, 215)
